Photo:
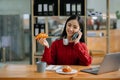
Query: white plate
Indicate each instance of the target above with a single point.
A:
(61, 72)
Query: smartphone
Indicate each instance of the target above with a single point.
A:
(75, 36)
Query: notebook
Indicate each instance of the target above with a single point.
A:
(111, 62)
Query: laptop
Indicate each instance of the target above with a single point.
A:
(111, 62)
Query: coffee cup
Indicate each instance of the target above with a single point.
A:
(41, 66)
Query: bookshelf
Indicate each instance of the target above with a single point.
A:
(50, 16)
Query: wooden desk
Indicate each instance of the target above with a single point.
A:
(28, 72)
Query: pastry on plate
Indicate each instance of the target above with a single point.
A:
(66, 69)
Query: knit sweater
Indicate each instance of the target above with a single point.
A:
(71, 54)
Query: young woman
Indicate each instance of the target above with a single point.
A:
(75, 52)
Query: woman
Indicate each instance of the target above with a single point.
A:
(75, 53)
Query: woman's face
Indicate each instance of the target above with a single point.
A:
(72, 26)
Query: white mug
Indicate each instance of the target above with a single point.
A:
(65, 41)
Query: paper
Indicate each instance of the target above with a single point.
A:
(53, 67)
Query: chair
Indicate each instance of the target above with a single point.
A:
(97, 56)
(37, 56)
(6, 43)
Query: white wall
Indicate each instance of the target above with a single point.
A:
(97, 5)
(14, 6)
(100, 5)
(114, 6)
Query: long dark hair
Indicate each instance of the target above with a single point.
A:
(81, 24)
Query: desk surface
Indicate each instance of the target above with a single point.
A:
(28, 72)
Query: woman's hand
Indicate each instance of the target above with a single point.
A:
(43, 42)
(79, 37)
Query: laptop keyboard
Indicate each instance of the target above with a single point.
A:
(93, 70)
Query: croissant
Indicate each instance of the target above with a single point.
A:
(41, 35)
(66, 69)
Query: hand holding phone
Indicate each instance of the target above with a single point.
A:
(75, 36)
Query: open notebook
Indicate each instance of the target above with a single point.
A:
(111, 62)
